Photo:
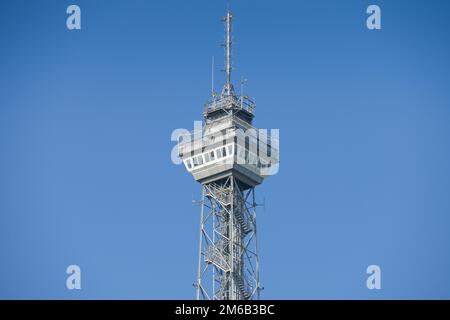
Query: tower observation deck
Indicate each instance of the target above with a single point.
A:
(229, 157)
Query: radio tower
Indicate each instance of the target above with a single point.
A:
(229, 157)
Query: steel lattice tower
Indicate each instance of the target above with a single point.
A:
(229, 157)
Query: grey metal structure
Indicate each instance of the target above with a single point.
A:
(229, 157)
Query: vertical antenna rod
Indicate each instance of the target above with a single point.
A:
(229, 17)
(212, 77)
(228, 20)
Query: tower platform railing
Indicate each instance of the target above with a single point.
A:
(231, 101)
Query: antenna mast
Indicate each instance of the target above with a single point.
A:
(213, 94)
(228, 89)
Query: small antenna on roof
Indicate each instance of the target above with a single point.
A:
(243, 81)
(213, 93)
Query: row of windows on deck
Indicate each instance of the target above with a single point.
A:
(244, 156)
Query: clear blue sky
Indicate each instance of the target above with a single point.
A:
(86, 116)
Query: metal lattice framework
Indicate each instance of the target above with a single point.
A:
(228, 266)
